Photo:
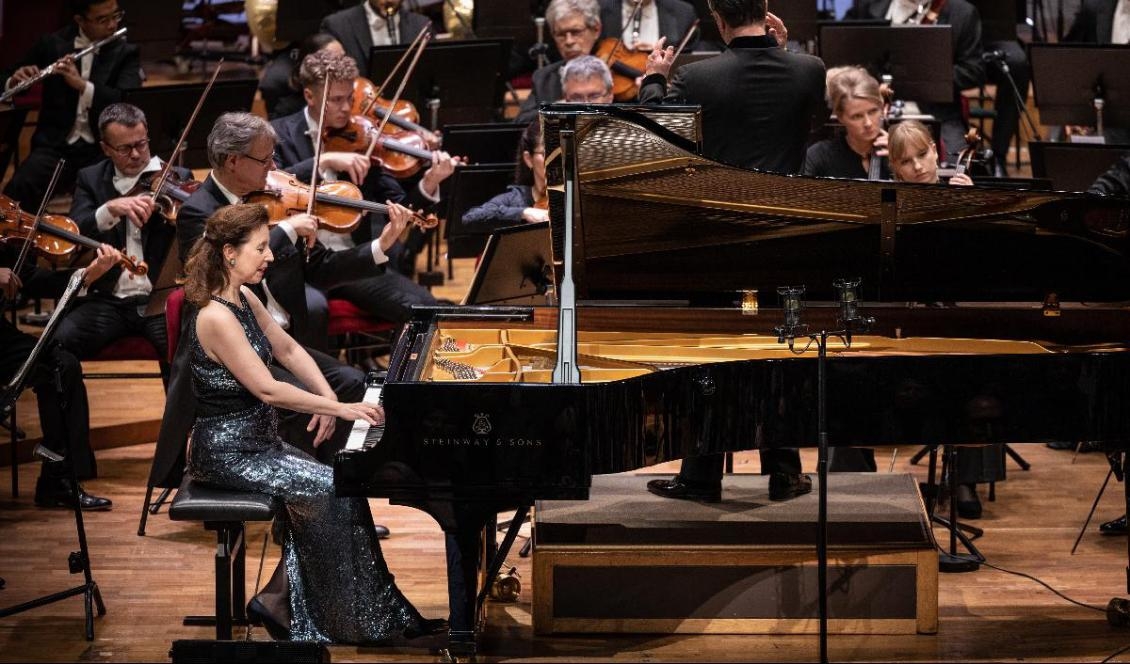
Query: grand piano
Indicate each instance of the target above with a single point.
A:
(1001, 317)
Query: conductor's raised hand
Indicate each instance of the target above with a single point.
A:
(776, 29)
(661, 58)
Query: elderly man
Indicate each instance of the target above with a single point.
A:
(586, 80)
(575, 27)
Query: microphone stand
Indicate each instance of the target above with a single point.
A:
(77, 561)
(1017, 98)
(849, 321)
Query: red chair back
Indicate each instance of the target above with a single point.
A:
(173, 308)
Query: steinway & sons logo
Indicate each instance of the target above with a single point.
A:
(481, 428)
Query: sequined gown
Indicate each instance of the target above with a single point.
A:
(341, 591)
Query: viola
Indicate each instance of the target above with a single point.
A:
(927, 13)
(57, 236)
(404, 117)
(627, 65)
(338, 205)
(402, 155)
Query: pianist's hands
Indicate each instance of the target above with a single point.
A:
(325, 424)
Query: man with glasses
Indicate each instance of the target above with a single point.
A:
(586, 80)
(575, 27)
(73, 96)
(373, 23)
(110, 207)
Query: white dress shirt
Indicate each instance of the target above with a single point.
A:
(81, 129)
(380, 29)
(128, 284)
(647, 31)
(901, 11)
(1120, 30)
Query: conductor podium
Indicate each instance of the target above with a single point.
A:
(628, 561)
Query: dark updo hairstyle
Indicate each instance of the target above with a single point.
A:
(531, 140)
(311, 43)
(205, 270)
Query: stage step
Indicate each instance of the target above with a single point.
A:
(627, 561)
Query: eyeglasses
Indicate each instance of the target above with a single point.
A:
(262, 162)
(574, 33)
(128, 148)
(109, 19)
(593, 98)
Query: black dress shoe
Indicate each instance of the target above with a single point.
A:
(1114, 526)
(426, 627)
(1061, 445)
(257, 614)
(783, 486)
(382, 531)
(50, 492)
(968, 503)
(675, 488)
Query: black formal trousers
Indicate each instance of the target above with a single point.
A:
(65, 431)
(388, 296)
(707, 470)
(99, 319)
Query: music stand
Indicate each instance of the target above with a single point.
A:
(11, 124)
(484, 142)
(1081, 84)
(919, 57)
(465, 93)
(516, 268)
(152, 28)
(78, 561)
(168, 107)
(294, 19)
(1073, 166)
(470, 186)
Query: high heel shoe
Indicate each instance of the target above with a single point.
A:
(426, 627)
(257, 614)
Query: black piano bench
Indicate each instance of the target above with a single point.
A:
(224, 511)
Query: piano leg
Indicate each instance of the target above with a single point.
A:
(464, 545)
(1126, 493)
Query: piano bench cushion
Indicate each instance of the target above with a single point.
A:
(200, 502)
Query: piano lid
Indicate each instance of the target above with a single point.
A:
(654, 221)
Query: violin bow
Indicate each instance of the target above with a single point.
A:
(26, 249)
(168, 169)
(620, 39)
(399, 91)
(392, 72)
(687, 38)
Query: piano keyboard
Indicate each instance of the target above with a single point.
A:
(363, 435)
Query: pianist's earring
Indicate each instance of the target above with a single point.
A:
(231, 262)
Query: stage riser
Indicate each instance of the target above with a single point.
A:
(733, 590)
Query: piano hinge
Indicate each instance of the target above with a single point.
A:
(1051, 305)
(749, 303)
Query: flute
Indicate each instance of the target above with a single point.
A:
(50, 69)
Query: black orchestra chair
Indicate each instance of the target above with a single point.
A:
(174, 306)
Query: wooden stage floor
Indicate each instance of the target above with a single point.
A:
(150, 583)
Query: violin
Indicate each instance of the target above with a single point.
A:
(401, 155)
(627, 65)
(174, 192)
(927, 13)
(338, 205)
(55, 239)
(403, 119)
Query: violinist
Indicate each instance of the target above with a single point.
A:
(373, 23)
(586, 80)
(758, 103)
(855, 100)
(109, 207)
(968, 69)
(240, 149)
(525, 200)
(656, 18)
(575, 26)
(73, 96)
(65, 431)
(389, 295)
(914, 156)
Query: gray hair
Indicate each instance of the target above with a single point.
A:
(585, 67)
(559, 9)
(234, 133)
(124, 114)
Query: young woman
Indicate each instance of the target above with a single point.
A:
(855, 100)
(332, 577)
(914, 156)
(520, 202)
